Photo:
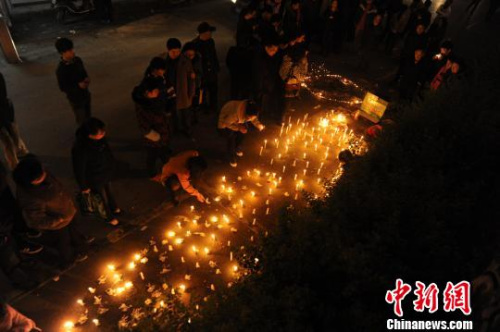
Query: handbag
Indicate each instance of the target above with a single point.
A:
(92, 204)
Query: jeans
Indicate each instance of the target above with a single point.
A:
(162, 153)
(81, 110)
(12, 144)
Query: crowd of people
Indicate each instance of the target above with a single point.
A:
(267, 67)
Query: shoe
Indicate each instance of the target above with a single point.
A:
(33, 234)
(239, 153)
(233, 163)
(81, 257)
(31, 249)
(89, 239)
(113, 222)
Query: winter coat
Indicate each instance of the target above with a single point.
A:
(293, 22)
(185, 83)
(177, 165)
(245, 33)
(232, 116)
(266, 77)
(413, 42)
(69, 74)
(209, 60)
(14, 321)
(151, 116)
(412, 76)
(93, 161)
(47, 206)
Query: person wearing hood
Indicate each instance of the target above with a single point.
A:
(153, 123)
(48, 207)
(94, 164)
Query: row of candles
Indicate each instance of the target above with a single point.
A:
(303, 151)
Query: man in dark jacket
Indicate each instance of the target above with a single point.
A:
(268, 89)
(94, 164)
(205, 46)
(153, 123)
(48, 207)
(73, 80)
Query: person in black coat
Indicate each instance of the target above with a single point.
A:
(412, 76)
(205, 46)
(332, 32)
(246, 29)
(267, 84)
(94, 164)
(73, 80)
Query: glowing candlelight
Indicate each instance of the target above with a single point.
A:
(295, 177)
(192, 207)
(131, 265)
(307, 164)
(305, 155)
(69, 325)
(267, 211)
(294, 163)
(182, 288)
(231, 256)
(253, 211)
(272, 161)
(254, 221)
(253, 193)
(305, 171)
(284, 168)
(270, 191)
(260, 153)
(265, 143)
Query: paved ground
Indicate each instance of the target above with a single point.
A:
(115, 57)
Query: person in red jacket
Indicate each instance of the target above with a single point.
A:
(181, 171)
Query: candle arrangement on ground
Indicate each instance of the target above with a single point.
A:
(204, 246)
(334, 88)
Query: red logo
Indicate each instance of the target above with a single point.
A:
(455, 297)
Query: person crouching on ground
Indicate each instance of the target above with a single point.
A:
(48, 207)
(94, 164)
(183, 170)
(153, 122)
(234, 119)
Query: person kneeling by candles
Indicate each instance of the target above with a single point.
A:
(183, 170)
(234, 119)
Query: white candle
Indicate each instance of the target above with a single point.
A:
(267, 211)
(284, 168)
(265, 143)
(272, 161)
(261, 148)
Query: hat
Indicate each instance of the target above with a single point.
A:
(205, 27)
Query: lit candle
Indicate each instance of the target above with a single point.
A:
(260, 153)
(305, 171)
(192, 208)
(231, 256)
(253, 211)
(305, 155)
(270, 191)
(295, 177)
(267, 211)
(253, 193)
(224, 178)
(307, 165)
(254, 221)
(272, 161)
(265, 143)
(294, 162)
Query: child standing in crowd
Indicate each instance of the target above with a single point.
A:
(153, 122)
(73, 80)
(233, 122)
(94, 165)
